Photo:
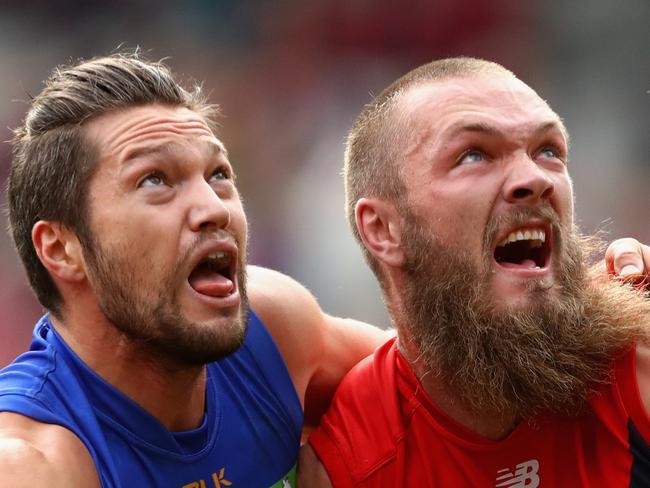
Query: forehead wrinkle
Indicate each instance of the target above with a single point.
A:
(462, 127)
(213, 147)
(424, 130)
(480, 127)
(553, 125)
(423, 105)
(115, 129)
(162, 128)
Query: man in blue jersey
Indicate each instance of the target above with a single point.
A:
(124, 210)
(160, 362)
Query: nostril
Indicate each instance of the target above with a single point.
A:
(522, 193)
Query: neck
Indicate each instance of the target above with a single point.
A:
(489, 424)
(173, 395)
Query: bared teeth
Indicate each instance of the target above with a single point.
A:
(221, 258)
(536, 236)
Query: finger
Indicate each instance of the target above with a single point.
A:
(645, 257)
(624, 257)
(644, 281)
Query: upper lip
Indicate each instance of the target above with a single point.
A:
(214, 246)
(541, 255)
(532, 224)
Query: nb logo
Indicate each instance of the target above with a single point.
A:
(525, 475)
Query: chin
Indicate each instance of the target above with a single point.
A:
(528, 296)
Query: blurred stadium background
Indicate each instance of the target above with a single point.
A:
(290, 76)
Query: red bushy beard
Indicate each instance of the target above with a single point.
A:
(548, 356)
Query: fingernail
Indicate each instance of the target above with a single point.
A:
(630, 269)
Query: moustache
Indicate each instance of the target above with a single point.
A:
(517, 217)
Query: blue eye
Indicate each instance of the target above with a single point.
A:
(472, 156)
(548, 152)
(552, 152)
(221, 174)
(152, 179)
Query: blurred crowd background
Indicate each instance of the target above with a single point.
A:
(291, 75)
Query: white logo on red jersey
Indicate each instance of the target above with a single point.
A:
(525, 475)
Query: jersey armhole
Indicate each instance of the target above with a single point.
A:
(264, 349)
(326, 447)
(626, 377)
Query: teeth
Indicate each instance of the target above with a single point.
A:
(537, 236)
(217, 255)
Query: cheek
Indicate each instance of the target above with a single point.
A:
(465, 222)
(141, 241)
(458, 224)
(466, 216)
(564, 197)
(238, 222)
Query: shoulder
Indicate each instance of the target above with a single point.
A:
(33, 454)
(317, 348)
(366, 397)
(361, 428)
(280, 301)
(292, 316)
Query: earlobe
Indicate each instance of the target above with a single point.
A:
(379, 225)
(59, 250)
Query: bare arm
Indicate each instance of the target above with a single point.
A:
(37, 454)
(311, 473)
(318, 349)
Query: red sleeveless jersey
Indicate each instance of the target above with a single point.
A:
(382, 430)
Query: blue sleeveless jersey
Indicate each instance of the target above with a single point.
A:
(249, 437)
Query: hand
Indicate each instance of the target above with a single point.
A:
(629, 260)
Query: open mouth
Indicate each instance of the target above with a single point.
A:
(214, 275)
(526, 248)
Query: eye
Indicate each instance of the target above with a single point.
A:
(154, 178)
(548, 152)
(221, 174)
(552, 152)
(472, 156)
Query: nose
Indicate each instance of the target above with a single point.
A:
(527, 182)
(207, 211)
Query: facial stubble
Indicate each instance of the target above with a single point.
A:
(154, 322)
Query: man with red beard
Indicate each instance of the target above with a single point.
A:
(510, 368)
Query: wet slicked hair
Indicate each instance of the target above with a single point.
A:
(53, 160)
(378, 137)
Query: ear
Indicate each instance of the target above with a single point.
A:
(59, 250)
(380, 228)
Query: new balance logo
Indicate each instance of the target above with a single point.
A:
(525, 475)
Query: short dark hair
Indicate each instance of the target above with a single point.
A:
(379, 135)
(53, 160)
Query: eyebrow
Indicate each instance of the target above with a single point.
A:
(216, 149)
(482, 128)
